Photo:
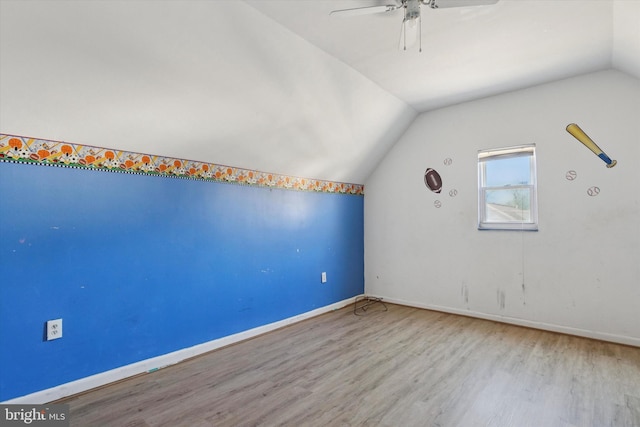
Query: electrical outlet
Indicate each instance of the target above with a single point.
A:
(323, 277)
(54, 329)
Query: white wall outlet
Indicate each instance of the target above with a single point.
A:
(54, 329)
(323, 277)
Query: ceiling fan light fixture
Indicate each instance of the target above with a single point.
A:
(412, 10)
(411, 25)
(408, 34)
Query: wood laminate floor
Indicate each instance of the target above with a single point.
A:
(402, 367)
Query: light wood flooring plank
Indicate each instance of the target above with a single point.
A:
(402, 367)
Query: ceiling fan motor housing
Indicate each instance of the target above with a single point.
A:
(413, 9)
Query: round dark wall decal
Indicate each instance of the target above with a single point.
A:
(432, 180)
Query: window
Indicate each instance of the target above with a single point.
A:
(507, 189)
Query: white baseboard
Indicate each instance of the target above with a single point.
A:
(155, 363)
(603, 336)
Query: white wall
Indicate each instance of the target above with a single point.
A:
(625, 54)
(579, 273)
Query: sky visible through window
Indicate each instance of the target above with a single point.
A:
(510, 171)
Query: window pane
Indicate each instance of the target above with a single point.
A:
(507, 189)
(505, 205)
(509, 171)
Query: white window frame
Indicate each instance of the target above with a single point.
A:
(485, 156)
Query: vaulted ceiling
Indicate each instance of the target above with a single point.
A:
(279, 85)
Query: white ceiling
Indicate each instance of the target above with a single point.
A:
(279, 85)
(468, 52)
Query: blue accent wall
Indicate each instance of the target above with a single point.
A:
(139, 266)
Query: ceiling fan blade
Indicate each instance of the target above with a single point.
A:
(364, 10)
(444, 4)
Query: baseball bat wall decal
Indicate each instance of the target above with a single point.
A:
(579, 134)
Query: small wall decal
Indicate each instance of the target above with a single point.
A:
(593, 191)
(437, 204)
(432, 180)
(448, 161)
(571, 175)
(453, 192)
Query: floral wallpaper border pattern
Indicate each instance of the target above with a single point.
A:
(20, 149)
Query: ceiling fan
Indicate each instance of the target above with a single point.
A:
(412, 22)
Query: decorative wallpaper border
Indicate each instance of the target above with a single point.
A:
(18, 149)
